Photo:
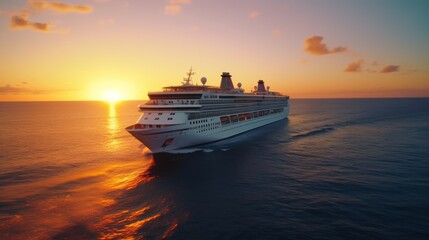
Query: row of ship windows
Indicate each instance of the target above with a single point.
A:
(207, 114)
(206, 125)
(245, 116)
(161, 114)
(156, 102)
(143, 126)
(210, 96)
(198, 121)
(146, 118)
(223, 120)
(207, 129)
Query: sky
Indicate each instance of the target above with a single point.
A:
(96, 49)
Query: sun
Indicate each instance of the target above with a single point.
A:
(111, 96)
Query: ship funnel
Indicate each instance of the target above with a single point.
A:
(226, 82)
(261, 86)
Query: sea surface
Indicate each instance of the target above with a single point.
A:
(336, 169)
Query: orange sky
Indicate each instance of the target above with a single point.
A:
(88, 49)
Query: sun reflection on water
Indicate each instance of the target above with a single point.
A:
(128, 180)
(125, 224)
(88, 199)
(88, 195)
(113, 130)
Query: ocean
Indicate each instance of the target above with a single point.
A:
(336, 169)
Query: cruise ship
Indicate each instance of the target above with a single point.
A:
(190, 114)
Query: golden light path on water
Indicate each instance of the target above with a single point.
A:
(112, 128)
(90, 201)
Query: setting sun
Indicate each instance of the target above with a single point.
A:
(111, 96)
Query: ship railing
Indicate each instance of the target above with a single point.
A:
(139, 126)
(170, 102)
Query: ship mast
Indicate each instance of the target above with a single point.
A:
(187, 81)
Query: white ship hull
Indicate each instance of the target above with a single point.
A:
(208, 130)
(191, 115)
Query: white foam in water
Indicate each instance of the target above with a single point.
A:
(146, 151)
(185, 150)
(190, 150)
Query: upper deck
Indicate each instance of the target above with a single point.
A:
(191, 95)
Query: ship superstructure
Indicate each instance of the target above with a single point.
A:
(189, 114)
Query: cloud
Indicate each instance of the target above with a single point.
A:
(390, 68)
(277, 33)
(7, 89)
(60, 7)
(254, 14)
(355, 66)
(17, 89)
(315, 46)
(411, 71)
(174, 8)
(20, 21)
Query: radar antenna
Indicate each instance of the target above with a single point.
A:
(188, 80)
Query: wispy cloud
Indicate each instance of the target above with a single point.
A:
(358, 66)
(60, 7)
(8, 89)
(254, 14)
(411, 71)
(390, 68)
(25, 88)
(314, 45)
(21, 20)
(174, 6)
(355, 66)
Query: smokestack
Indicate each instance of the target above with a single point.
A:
(261, 86)
(226, 82)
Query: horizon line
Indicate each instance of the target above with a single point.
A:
(299, 98)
